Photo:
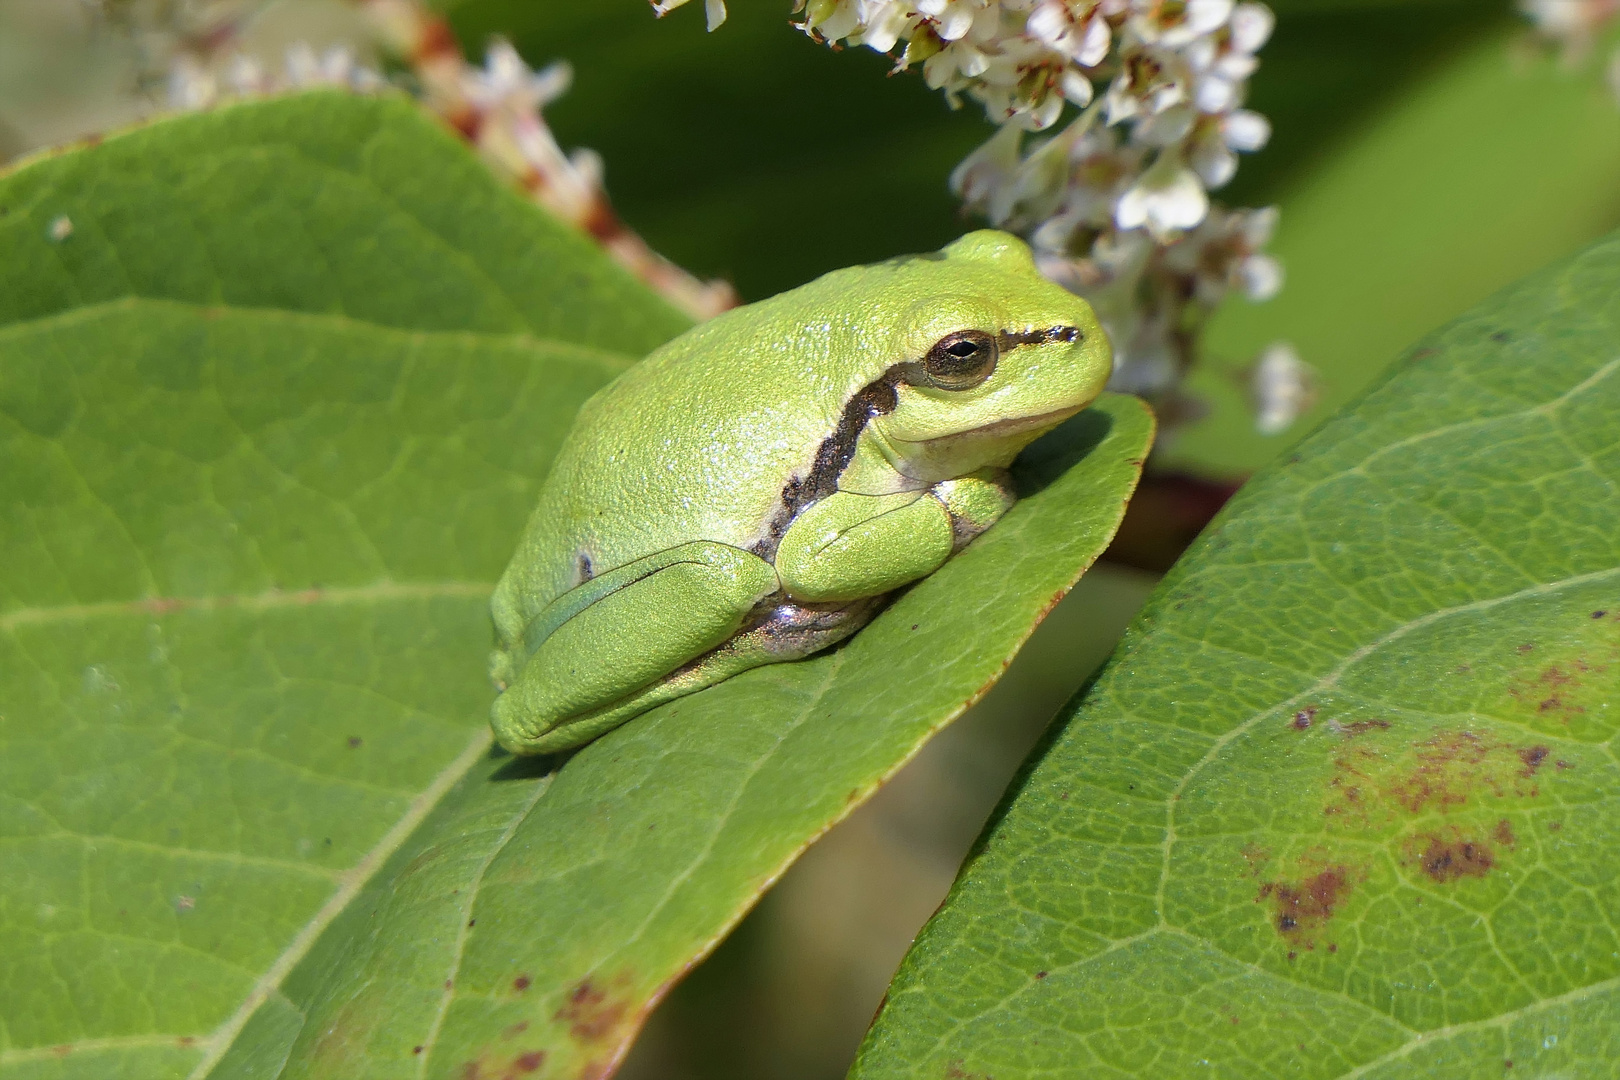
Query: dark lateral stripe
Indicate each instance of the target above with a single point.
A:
(877, 398)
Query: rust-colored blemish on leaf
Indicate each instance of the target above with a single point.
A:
(515, 1030)
(1532, 756)
(1447, 860)
(1504, 833)
(472, 1070)
(1257, 856)
(1568, 677)
(1373, 783)
(1302, 719)
(591, 1015)
(1301, 908)
(522, 983)
(527, 1063)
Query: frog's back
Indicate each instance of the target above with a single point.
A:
(694, 443)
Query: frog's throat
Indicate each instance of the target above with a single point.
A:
(877, 398)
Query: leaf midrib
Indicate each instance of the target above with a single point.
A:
(609, 358)
(386, 591)
(351, 882)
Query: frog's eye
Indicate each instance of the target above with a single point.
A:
(961, 360)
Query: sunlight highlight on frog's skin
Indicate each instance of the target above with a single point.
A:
(754, 489)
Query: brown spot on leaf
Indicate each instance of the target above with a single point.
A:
(527, 1063)
(522, 983)
(1504, 833)
(417, 1049)
(1372, 785)
(1302, 907)
(1554, 826)
(1303, 718)
(1564, 686)
(355, 741)
(1526, 647)
(1257, 856)
(1446, 860)
(515, 1030)
(1599, 614)
(472, 1070)
(590, 1014)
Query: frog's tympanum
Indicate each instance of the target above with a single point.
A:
(754, 490)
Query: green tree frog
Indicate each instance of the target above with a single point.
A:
(754, 490)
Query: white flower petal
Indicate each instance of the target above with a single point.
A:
(1251, 27)
(956, 23)
(838, 23)
(1165, 128)
(1166, 199)
(552, 82)
(1282, 387)
(1045, 114)
(1215, 95)
(1049, 22)
(715, 12)
(1260, 277)
(1202, 16)
(1076, 87)
(1245, 130)
(1094, 45)
(1213, 162)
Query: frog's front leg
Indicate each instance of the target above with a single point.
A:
(849, 546)
(603, 641)
(976, 502)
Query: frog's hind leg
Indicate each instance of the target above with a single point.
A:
(785, 631)
(788, 631)
(580, 665)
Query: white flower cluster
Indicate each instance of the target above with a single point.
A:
(1575, 25)
(1116, 203)
(195, 83)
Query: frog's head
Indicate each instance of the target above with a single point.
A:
(987, 355)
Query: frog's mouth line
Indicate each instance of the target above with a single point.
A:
(1011, 425)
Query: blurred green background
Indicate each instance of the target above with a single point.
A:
(1425, 153)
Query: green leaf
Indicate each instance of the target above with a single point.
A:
(1344, 802)
(272, 412)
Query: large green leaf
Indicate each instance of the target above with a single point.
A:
(1344, 803)
(277, 385)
